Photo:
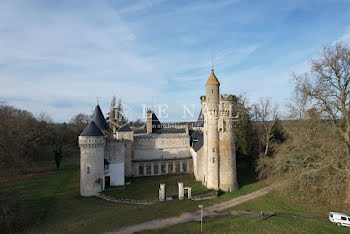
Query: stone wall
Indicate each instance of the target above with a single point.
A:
(199, 163)
(125, 135)
(228, 175)
(91, 165)
(162, 167)
(162, 146)
(118, 154)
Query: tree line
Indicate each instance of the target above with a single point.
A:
(26, 139)
(311, 146)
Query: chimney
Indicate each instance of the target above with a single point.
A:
(187, 129)
(149, 121)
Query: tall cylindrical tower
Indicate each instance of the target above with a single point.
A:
(212, 109)
(91, 143)
(228, 173)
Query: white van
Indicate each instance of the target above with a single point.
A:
(339, 218)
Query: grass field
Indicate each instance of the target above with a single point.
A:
(255, 225)
(276, 201)
(55, 205)
(146, 188)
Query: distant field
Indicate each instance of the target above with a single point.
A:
(53, 201)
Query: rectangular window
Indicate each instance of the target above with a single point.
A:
(213, 160)
(88, 170)
(170, 167)
(184, 166)
(148, 169)
(141, 172)
(156, 168)
(163, 168)
(213, 150)
(177, 166)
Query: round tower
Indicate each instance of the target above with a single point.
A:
(228, 173)
(212, 110)
(91, 143)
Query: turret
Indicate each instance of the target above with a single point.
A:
(228, 173)
(92, 144)
(212, 135)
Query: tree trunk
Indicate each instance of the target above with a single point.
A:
(267, 146)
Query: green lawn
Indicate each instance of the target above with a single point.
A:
(55, 204)
(276, 201)
(282, 201)
(255, 225)
(146, 188)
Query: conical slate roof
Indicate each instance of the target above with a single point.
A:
(156, 125)
(212, 80)
(91, 130)
(99, 119)
(124, 128)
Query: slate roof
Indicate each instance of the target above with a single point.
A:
(196, 140)
(156, 125)
(91, 130)
(171, 130)
(140, 131)
(124, 128)
(100, 119)
(200, 121)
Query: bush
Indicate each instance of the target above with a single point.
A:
(13, 217)
(315, 159)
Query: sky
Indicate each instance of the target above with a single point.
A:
(60, 57)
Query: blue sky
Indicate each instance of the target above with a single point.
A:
(58, 56)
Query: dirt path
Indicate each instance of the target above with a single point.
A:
(194, 216)
(27, 175)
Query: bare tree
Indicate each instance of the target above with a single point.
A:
(266, 113)
(79, 122)
(327, 85)
(113, 102)
(298, 104)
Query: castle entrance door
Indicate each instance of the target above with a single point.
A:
(107, 181)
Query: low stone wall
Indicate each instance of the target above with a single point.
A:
(205, 196)
(127, 201)
(200, 197)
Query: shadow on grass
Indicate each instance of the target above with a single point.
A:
(246, 171)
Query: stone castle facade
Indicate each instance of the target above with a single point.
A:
(207, 149)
